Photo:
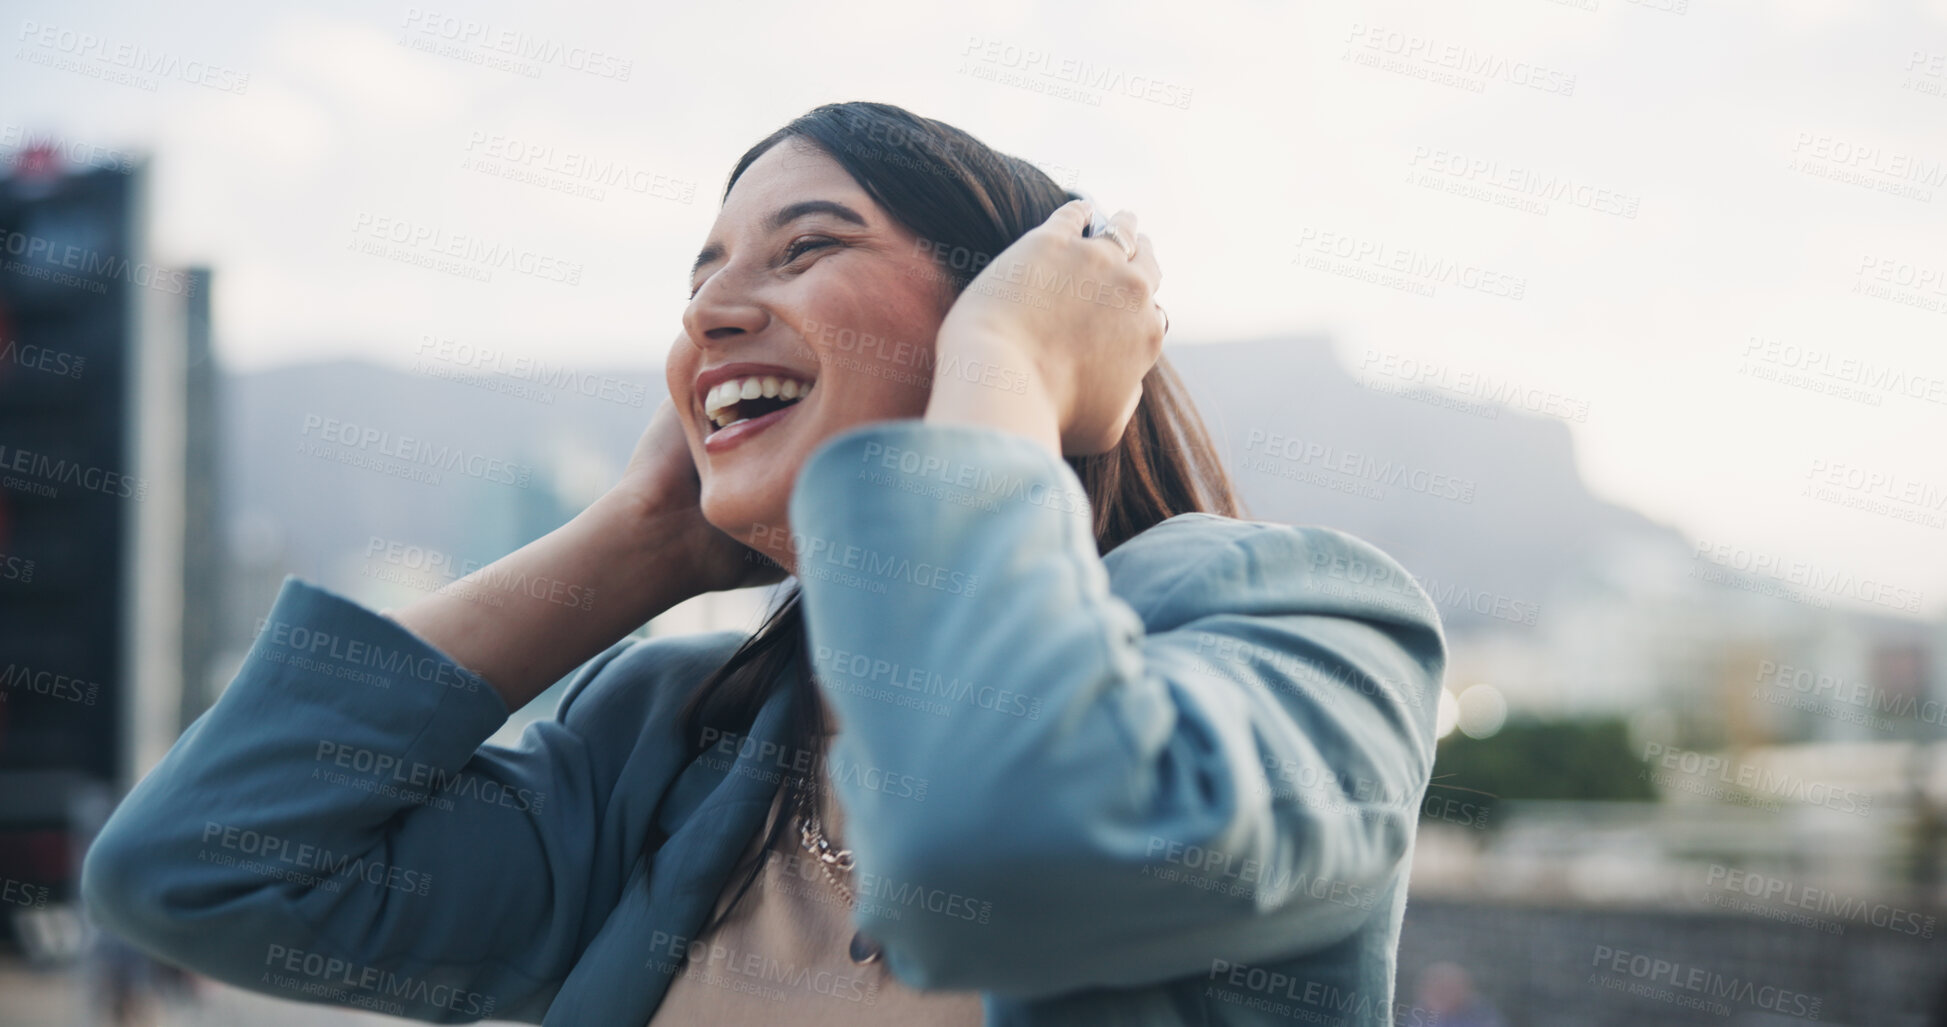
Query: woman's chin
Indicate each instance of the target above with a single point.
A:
(747, 522)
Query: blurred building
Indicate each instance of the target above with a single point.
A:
(108, 547)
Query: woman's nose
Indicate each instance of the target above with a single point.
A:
(722, 309)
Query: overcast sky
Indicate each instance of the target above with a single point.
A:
(1656, 209)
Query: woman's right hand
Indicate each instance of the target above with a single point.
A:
(661, 482)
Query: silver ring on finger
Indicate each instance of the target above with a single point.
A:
(1128, 248)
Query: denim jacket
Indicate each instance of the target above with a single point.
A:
(1173, 784)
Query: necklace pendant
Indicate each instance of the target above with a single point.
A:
(863, 950)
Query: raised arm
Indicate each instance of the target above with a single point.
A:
(334, 830)
(1223, 756)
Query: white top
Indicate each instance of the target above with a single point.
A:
(782, 958)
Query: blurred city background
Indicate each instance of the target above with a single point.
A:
(1620, 323)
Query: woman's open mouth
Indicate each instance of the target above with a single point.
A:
(744, 406)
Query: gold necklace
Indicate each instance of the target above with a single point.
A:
(863, 949)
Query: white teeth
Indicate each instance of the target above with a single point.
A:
(718, 403)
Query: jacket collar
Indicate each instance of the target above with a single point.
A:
(625, 971)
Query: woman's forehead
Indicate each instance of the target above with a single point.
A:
(787, 173)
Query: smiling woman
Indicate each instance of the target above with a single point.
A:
(1040, 732)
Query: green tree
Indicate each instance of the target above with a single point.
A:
(1542, 759)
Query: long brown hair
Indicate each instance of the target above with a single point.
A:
(949, 188)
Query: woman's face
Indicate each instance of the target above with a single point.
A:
(805, 288)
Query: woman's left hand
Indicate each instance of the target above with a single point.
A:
(1073, 315)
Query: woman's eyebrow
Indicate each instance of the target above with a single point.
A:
(784, 216)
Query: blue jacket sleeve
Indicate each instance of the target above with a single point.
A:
(333, 830)
(1223, 755)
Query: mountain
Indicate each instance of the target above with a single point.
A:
(1470, 496)
(330, 463)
